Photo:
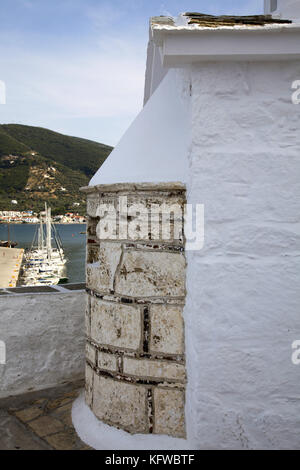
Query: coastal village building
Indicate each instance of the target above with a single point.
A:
(29, 217)
(190, 345)
(18, 217)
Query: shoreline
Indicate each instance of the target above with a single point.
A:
(36, 223)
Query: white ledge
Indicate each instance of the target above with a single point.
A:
(132, 187)
(184, 45)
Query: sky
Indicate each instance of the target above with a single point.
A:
(78, 66)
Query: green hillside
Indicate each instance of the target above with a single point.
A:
(38, 165)
(78, 154)
(9, 144)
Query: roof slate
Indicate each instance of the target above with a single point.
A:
(211, 21)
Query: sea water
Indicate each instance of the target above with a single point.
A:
(72, 238)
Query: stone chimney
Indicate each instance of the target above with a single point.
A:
(135, 371)
(135, 355)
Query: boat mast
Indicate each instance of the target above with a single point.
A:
(57, 241)
(8, 233)
(39, 237)
(41, 234)
(48, 231)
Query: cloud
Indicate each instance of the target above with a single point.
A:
(96, 75)
(105, 82)
(88, 70)
(100, 84)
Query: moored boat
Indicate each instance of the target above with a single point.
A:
(7, 244)
(44, 264)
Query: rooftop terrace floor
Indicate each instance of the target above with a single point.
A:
(40, 420)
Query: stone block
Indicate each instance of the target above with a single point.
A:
(92, 223)
(88, 316)
(92, 276)
(169, 412)
(121, 404)
(66, 440)
(150, 369)
(93, 201)
(100, 275)
(138, 228)
(115, 324)
(92, 253)
(29, 413)
(90, 353)
(59, 403)
(89, 381)
(46, 425)
(14, 435)
(109, 258)
(167, 329)
(154, 217)
(107, 361)
(107, 227)
(162, 203)
(151, 274)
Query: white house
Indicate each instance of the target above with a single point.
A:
(218, 121)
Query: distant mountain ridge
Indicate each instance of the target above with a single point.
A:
(38, 165)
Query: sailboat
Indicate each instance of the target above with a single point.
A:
(8, 243)
(44, 265)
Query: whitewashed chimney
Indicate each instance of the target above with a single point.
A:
(197, 345)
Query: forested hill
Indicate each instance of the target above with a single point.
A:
(38, 165)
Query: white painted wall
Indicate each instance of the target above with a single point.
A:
(155, 72)
(242, 311)
(45, 340)
(241, 159)
(153, 147)
(283, 8)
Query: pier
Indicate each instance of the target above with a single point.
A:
(10, 266)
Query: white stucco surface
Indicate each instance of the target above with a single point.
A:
(285, 8)
(153, 147)
(45, 340)
(241, 159)
(243, 297)
(242, 311)
(100, 436)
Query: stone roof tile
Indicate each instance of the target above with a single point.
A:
(225, 20)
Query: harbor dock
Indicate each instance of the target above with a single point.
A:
(10, 266)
